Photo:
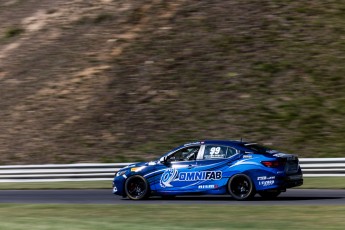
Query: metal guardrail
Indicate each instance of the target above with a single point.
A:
(59, 172)
(311, 167)
(323, 167)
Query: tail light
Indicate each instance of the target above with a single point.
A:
(273, 164)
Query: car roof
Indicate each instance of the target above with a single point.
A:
(217, 142)
(232, 143)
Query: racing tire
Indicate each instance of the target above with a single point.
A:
(241, 187)
(137, 188)
(269, 194)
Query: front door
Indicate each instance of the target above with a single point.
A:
(179, 173)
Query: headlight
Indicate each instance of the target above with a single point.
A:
(120, 173)
(137, 169)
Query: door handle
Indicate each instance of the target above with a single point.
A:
(190, 166)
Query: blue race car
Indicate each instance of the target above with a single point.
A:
(238, 168)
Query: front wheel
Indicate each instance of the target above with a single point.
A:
(137, 188)
(241, 187)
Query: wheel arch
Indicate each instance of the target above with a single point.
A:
(252, 174)
(144, 179)
(252, 189)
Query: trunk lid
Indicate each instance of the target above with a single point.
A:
(291, 162)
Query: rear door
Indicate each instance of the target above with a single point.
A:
(215, 161)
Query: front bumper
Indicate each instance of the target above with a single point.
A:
(114, 189)
(118, 185)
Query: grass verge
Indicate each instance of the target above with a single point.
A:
(309, 182)
(175, 217)
(324, 182)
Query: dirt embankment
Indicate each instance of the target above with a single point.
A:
(106, 81)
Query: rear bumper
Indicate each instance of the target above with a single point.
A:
(292, 181)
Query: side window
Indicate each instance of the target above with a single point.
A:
(218, 152)
(185, 154)
(230, 152)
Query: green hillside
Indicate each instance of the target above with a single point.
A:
(108, 81)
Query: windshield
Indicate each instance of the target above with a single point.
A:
(182, 152)
(168, 153)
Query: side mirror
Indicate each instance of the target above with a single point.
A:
(165, 160)
(162, 160)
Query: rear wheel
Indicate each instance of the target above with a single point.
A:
(269, 194)
(137, 188)
(241, 187)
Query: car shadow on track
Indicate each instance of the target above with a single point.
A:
(229, 198)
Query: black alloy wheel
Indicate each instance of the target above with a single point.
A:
(137, 188)
(241, 187)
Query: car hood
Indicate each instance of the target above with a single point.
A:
(140, 164)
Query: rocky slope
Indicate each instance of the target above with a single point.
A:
(106, 81)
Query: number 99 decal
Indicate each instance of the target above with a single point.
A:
(214, 151)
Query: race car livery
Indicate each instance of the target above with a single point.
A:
(241, 169)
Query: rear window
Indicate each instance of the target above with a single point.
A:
(259, 149)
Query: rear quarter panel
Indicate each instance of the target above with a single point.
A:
(263, 177)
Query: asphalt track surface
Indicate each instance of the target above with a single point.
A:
(104, 196)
